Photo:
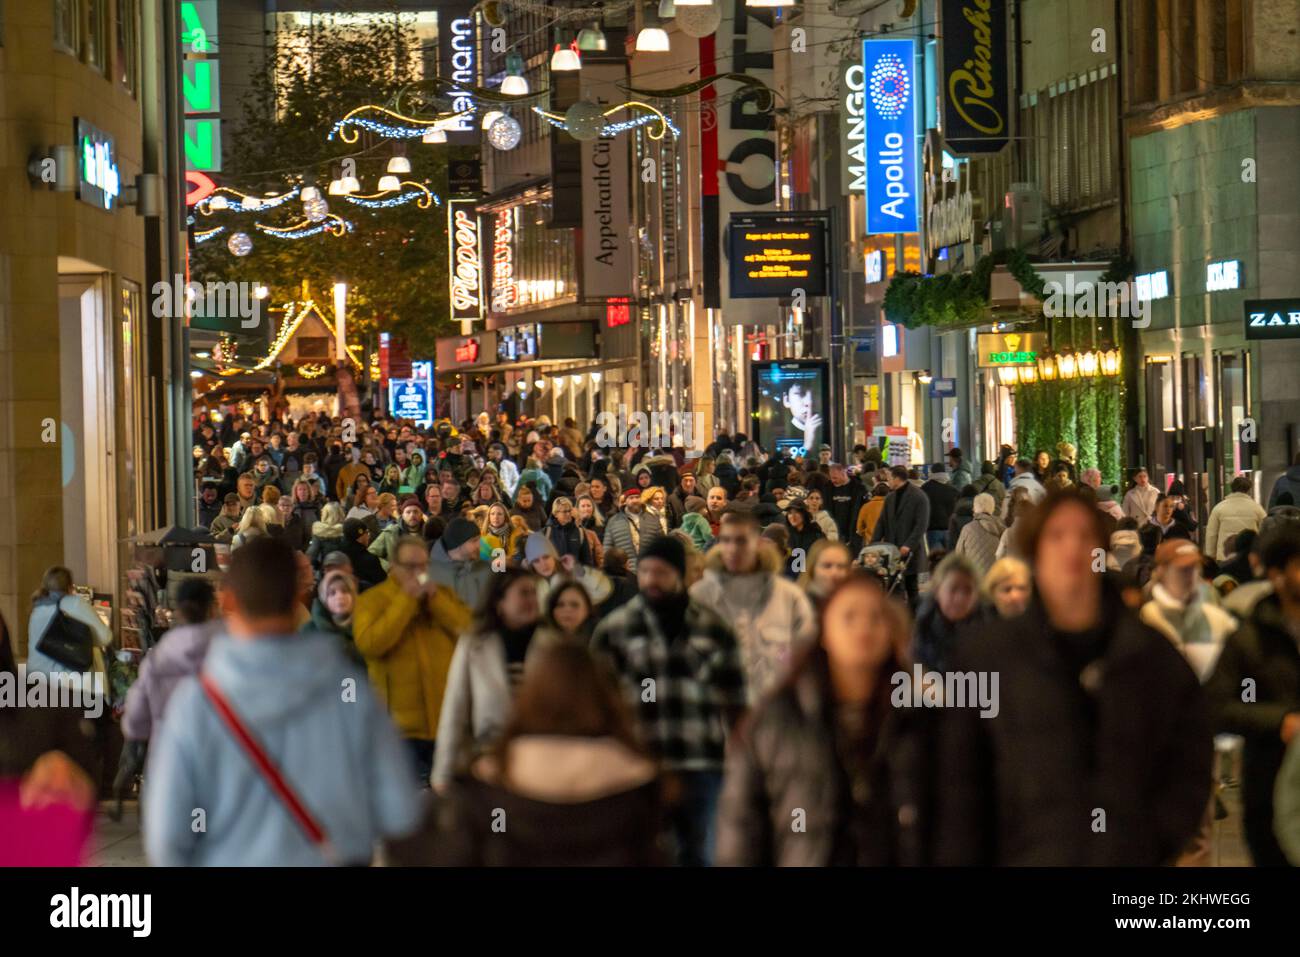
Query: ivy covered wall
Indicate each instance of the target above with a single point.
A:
(1088, 413)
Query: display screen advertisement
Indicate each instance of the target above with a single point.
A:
(772, 257)
(790, 401)
(890, 107)
(413, 398)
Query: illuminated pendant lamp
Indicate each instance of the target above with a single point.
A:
(389, 183)
(652, 38)
(592, 39)
(667, 10)
(1027, 374)
(1089, 363)
(399, 164)
(695, 3)
(434, 135)
(490, 117)
(514, 84)
(1008, 375)
(565, 59)
(1067, 365)
(1110, 362)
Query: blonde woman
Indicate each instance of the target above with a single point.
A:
(1008, 587)
(653, 521)
(256, 522)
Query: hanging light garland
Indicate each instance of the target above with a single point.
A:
(347, 128)
(219, 202)
(332, 223)
(382, 200)
(665, 125)
(203, 235)
(312, 370)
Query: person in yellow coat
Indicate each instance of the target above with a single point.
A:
(406, 628)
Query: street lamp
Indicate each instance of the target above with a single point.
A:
(1088, 363)
(1067, 365)
(1007, 375)
(1047, 367)
(1027, 374)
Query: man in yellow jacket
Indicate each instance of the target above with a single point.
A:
(407, 631)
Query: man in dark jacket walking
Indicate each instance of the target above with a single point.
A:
(843, 501)
(903, 523)
(1255, 688)
(943, 496)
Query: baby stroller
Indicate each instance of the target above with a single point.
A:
(886, 563)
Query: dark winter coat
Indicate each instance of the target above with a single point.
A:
(962, 515)
(903, 523)
(843, 502)
(1263, 651)
(943, 499)
(366, 568)
(935, 637)
(1028, 786)
(784, 760)
(569, 540)
(1288, 481)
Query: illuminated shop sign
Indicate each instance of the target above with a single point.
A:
(98, 180)
(853, 129)
(773, 257)
(1273, 318)
(875, 266)
(618, 312)
(201, 85)
(976, 87)
(465, 260)
(1009, 348)
(467, 351)
(1152, 285)
(1224, 275)
(505, 291)
(890, 135)
(463, 68)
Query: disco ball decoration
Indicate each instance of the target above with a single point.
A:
(239, 244)
(316, 209)
(889, 87)
(699, 22)
(584, 120)
(505, 132)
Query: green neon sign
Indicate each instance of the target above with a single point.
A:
(201, 86)
(203, 145)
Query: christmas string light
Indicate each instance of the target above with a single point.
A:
(334, 224)
(312, 370)
(665, 125)
(203, 235)
(241, 203)
(420, 193)
(346, 128)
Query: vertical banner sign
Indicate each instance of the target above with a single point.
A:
(853, 128)
(505, 293)
(746, 139)
(458, 58)
(976, 89)
(201, 85)
(465, 260)
(890, 97)
(606, 188)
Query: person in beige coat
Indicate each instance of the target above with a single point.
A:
(1237, 512)
(979, 540)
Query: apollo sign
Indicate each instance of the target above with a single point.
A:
(890, 136)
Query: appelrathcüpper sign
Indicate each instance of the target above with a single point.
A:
(976, 88)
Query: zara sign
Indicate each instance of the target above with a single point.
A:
(1273, 318)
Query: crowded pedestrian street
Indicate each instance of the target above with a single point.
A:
(685, 438)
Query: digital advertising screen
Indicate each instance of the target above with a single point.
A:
(771, 258)
(790, 403)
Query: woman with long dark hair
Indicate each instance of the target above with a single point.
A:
(485, 670)
(567, 773)
(570, 614)
(828, 771)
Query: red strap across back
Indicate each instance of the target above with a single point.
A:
(263, 762)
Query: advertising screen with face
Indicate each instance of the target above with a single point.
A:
(791, 406)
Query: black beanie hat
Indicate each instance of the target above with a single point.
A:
(668, 549)
(459, 531)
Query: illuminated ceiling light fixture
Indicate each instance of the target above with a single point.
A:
(435, 135)
(667, 10)
(592, 39)
(924, 377)
(565, 59)
(389, 183)
(652, 38)
(1008, 375)
(514, 84)
(399, 164)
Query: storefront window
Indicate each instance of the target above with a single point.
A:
(137, 437)
(67, 26)
(128, 44)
